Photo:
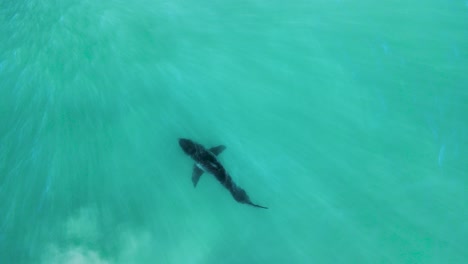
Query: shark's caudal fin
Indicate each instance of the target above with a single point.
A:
(259, 206)
(196, 174)
(217, 150)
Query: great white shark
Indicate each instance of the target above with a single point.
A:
(206, 161)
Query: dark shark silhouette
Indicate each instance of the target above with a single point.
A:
(206, 161)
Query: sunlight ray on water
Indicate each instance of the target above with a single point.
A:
(346, 118)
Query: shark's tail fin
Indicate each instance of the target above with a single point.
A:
(258, 206)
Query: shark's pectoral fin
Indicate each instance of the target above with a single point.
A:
(196, 174)
(217, 150)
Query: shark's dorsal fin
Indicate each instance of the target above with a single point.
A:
(196, 174)
(217, 150)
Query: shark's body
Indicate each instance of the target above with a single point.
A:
(206, 161)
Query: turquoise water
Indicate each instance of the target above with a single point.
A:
(346, 118)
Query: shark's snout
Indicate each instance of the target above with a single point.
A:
(183, 142)
(187, 145)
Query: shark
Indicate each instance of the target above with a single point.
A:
(206, 161)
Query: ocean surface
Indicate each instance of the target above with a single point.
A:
(347, 118)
